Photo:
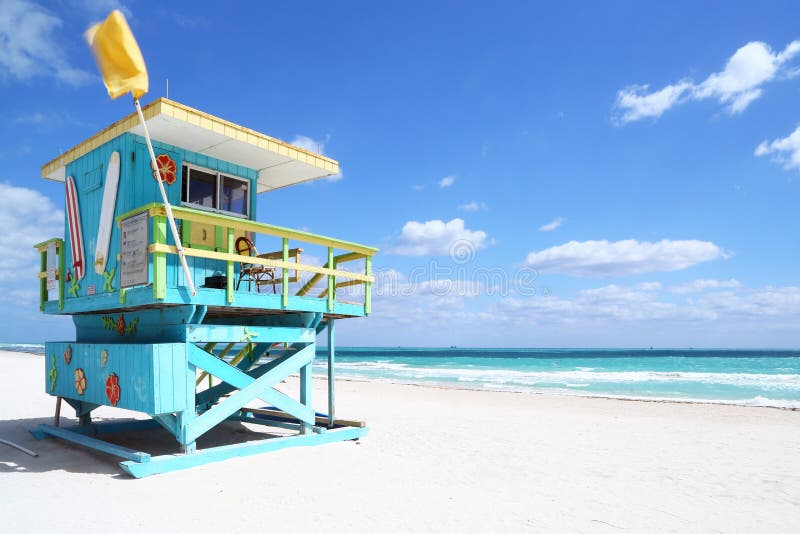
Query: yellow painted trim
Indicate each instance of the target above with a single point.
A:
(278, 264)
(181, 112)
(189, 214)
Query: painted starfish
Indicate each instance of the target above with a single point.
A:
(108, 285)
(74, 287)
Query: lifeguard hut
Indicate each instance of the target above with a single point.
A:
(143, 341)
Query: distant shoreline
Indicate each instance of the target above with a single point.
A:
(524, 391)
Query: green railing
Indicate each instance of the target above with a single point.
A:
(59, 270)
(280, 261)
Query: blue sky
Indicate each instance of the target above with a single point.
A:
(579, 174)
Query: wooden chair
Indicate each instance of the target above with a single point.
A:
(253, 272)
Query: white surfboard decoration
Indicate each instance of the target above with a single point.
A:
(75, 233)
(107, 214)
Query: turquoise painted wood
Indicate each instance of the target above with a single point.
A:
(143, 296)
(156, 348)
(167, 463)
(86, 441)
(136, 188)
(151, 375)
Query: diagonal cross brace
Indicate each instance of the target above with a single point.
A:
(249, 389)
(212, 394)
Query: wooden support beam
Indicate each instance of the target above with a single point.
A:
(331, 374)
(171, 462)
(319, 419)
(245, 334)
(249, 388)
(79, 439)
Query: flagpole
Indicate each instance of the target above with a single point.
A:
(167, 206)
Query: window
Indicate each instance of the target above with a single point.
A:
(232, 195)
(212, 190)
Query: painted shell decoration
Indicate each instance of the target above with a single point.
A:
(68, 354)
(167, 168)
(112, 389)
(80, 381)
(104, 357)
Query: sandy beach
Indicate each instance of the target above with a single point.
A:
(435, 460)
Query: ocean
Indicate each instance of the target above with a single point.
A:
(746, 377)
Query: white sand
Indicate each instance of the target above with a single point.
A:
(435, 460)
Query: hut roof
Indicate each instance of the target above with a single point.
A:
(278, 163)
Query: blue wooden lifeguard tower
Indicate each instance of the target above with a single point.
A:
(143, 341)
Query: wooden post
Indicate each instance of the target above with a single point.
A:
(285, 275)
(331, 376)
(331, 280)
(57, 421)
(305, 393)
(43, 281)
(229, 269)
(160, 258)
(368, 286)
(62, 273)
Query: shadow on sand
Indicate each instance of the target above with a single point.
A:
(59, 455)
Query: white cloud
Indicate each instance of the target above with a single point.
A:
(697, 286)
(28, 217)
(622, 258)
(474, 206)
(317, 147)
(636, 103)
(552, 225)
(438, 238)
(30, 47)
(447, 181)
(418, 187)
(784, 150)
(736, 86)
(621, 303)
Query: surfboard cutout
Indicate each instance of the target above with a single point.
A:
(107, 214)
(75, 233)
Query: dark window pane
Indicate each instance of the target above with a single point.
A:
(202, 188)
(233, 195)
(184, 183)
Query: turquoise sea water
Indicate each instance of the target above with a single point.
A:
(749, 377)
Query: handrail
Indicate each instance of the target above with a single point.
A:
(59, 270)
(197, 215)
(159, 248)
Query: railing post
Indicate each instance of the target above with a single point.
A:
(160, 258)
(285, 275)
(42, 281)
(368, 286)
(61, 272)
(331, 375)
(331, 280)
(229, 268)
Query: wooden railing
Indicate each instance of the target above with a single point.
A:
(159, 248)
(59, 271)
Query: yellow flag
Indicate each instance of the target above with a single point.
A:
(118, 56)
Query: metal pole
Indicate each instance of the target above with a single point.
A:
(167, 206)
(331, 375)
(18, 447)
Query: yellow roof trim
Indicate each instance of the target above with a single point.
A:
(55, 169)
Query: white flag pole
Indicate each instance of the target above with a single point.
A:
(167, 207)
